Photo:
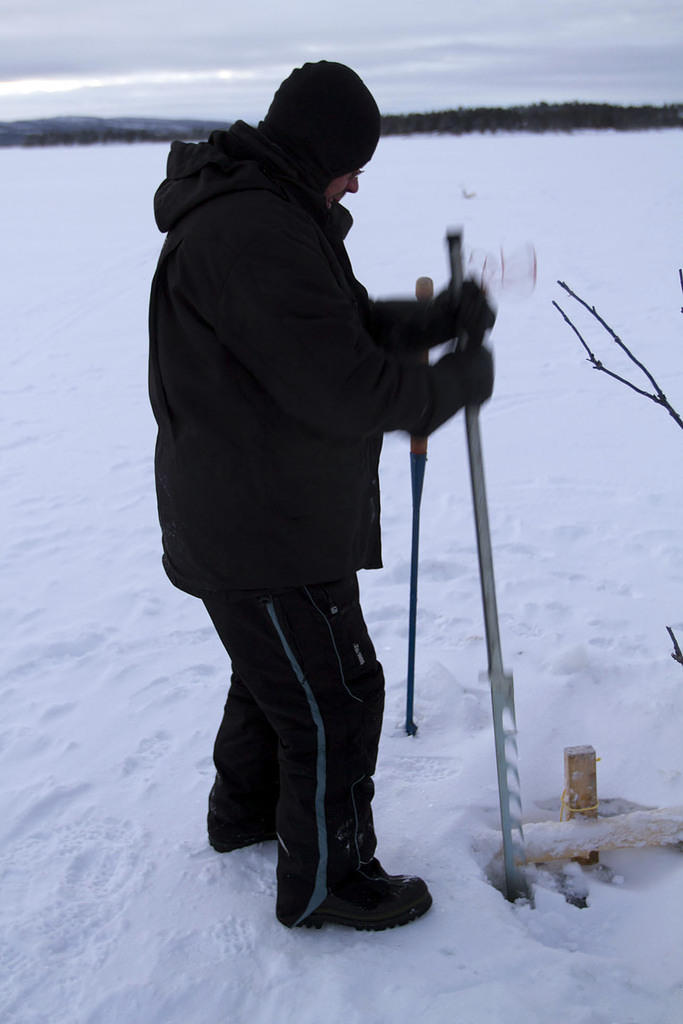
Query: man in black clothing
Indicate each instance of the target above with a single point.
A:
(273, 377)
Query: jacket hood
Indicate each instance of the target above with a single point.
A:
(199, 171)
(239, 159)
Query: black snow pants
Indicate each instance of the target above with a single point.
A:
(297, 747)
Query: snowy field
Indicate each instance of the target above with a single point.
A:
(113, 907)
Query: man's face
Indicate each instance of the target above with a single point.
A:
(338, 187)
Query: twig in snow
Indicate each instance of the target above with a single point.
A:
(677, 654)
(657, 396)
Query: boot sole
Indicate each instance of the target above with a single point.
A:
(369, 924)
(223, 847)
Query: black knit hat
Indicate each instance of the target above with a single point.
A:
(326, 118)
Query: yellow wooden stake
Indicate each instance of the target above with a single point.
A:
(580, 795)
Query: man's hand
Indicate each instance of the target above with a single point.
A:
(457, 379)
(474, 315)
(468, 318)
(474, 367)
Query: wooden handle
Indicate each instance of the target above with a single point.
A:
(424, 291)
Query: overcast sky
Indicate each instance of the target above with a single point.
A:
(222, 60)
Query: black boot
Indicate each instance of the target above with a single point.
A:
(224, 837)
(372, 900)
(224, 843)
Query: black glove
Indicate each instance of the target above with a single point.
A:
(467, 319)
(458, 379)
(474, 316)
(407, 325)
(474, 370)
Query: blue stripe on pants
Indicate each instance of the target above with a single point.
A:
(320, 885)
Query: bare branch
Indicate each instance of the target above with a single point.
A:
(677, 654)
(596, 362)
(657, 396)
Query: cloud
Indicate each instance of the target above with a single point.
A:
(211, 59)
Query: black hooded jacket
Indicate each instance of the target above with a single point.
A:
(272, 375)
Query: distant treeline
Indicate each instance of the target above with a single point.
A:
(86, 131)
(540, 117)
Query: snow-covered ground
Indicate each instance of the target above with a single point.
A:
(113, 907)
